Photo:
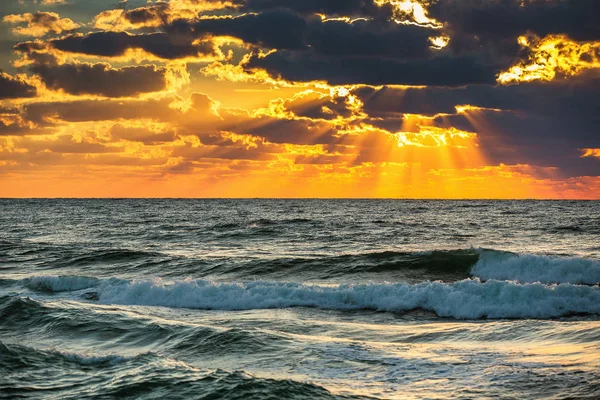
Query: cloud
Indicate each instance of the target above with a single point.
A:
(294, 131)
(45, 2)
(101, 79)
(155, 15)
(590, 153)
(317, 105)
(40, 23)
(538, 123)
(348, 70)
(353, 8)
(52, 112)
(141, 135)
(552, 57)
(497, 19)
(286, 29)
(14, 88)
(259, 152)
(167, 46)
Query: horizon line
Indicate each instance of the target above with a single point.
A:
(302, 198)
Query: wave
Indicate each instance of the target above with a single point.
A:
(209, 341)
(567, 228)
(77, 375)
(13, 355)
(111, 255)
(533, 268)
(36, 319)
(466, 299)
(53, 283)
(413, 267)
(32, 318)
(447, 265)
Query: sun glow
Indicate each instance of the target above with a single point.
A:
(410, 12)
(431, 136)
(439, 42)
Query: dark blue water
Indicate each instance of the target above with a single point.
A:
(299, 299)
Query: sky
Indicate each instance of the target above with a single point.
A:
(300, 98)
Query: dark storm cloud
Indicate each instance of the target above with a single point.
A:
(483, 40)
(574, 99)
(115, 44)
(144, 15)
(14, 88)
(511, 18)
(100, 79)
(13, 129)
(273, 29)
(442, 70)
(366, 8)
(539, 140)
(491, 28)
(276, 29)
(543, 124)
(369, 38)
(286, 30)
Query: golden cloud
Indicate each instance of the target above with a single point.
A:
(155, 15)
(40, 23)
(590, 153)
(410, 12)
(552, 57)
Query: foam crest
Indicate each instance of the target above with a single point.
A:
(533, 268)
(87, 359)
(467, 299)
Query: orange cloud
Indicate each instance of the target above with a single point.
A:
(155, 15)
(316, 143)
(590, 153)
(552, 57)
(40, 23)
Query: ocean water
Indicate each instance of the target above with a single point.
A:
(299, 299)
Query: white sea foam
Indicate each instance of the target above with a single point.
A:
(88, 359)
(55, 283)
(465, 299)
(533, 268)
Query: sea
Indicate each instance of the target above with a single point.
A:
(299, 299)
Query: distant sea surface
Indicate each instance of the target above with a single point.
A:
(299, 299)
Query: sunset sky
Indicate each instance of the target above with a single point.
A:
(300, 98)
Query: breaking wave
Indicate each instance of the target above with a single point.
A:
(466, 299)
(53, 283)
(534, 268)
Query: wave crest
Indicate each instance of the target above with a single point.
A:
(53, 283)
(467, 299)
(533, 268)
